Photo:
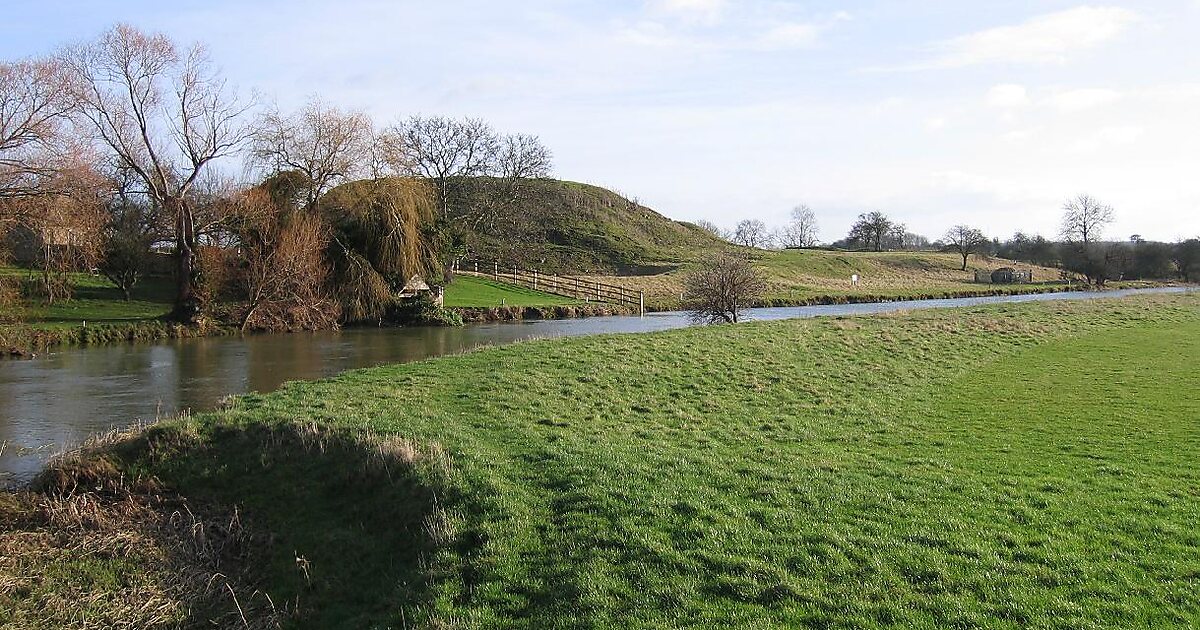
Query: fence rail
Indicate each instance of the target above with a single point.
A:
(567, 286)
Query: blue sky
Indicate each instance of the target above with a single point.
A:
(935, 112)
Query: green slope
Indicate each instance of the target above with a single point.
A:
(568, 226)
(1006, 467)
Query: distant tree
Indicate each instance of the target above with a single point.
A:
(721, 286)
(129, 234)
(324, 144)
(964, 240)
(1082, 251)
(440, 148)
(1084, 220)
(1186, 256)
(1150, 260)
(751, 233)
(1032, 249)
(711, 228)
(800, 231)
(901, 238)
(873, 230)
(164, 115)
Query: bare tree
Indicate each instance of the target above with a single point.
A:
(33, 102)
(801, 231)
(439, 149)
(1084, 220)
(285, 275)
(65, 227)
(711, 228)
(165, 116)
(964, 240)
(751, 233)
(323, 144)
(721, 286)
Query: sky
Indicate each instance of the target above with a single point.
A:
(937, 112)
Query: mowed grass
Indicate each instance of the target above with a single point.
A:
(96, 300)
(1007, 467)
(469, 291)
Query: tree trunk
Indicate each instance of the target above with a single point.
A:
(965, 254)
(188, 301)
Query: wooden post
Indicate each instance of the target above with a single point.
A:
(535, 279)
(641, 303)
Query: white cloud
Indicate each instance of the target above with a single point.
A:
(790, 35)
(708, 11)
(1008, 96)
(1070, 101)
(1049, 38)
(1107, 137)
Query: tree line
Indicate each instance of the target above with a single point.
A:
(1081, 249)
(111, 155)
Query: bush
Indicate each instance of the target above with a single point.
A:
(48, 287)
(422, 312)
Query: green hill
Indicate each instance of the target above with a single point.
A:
(567, 226)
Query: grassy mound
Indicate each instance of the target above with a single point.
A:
(561, 226)
(1024, 465)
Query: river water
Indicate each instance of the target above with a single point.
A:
(61, 397)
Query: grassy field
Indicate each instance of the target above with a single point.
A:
(796, 276)
(96, 300)
(471, 292)
(1004, 467)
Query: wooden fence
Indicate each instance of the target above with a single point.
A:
(572, 287)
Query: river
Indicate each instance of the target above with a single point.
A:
(62, 396)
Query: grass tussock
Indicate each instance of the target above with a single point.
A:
(90, 547)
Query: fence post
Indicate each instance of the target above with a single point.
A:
(535, 279)
(641, 303)
(496, 269)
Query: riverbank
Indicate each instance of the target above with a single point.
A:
(897, 470)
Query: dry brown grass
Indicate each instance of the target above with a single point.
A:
(804, 275)
(86, 547)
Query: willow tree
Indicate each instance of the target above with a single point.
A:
(382, 236)
(164, 115)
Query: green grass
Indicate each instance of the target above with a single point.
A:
(818, 276)
(1005, 467)
(98, 301)
(473, 292)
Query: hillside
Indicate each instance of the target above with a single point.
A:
(567, 226)
(800, 276)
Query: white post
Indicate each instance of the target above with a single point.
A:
(535, 278)
(641, 303)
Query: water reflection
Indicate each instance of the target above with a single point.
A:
(65, 395)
